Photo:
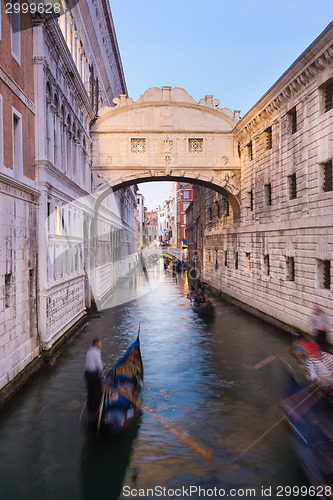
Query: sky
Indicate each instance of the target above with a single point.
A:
(235, 50)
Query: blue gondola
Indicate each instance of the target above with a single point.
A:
(310, 422)
(116, 412)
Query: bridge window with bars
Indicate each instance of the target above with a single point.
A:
(236, 259)
(138, 145)
(327, 176)
(250, 193)
(266, 264)
(195, 145)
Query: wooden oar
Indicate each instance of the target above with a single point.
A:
(270, 358)
(309, 394)
(199, 449)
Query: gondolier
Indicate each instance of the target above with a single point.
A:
(93, 373)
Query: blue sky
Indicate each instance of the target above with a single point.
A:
(233, 50)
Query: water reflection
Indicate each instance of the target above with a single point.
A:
(104, 464)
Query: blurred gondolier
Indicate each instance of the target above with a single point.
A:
(93, 372)
(319, 327)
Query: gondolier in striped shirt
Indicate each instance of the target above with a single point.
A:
(93, 373)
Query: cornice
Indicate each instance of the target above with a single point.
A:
(8, 80)
(314, 60)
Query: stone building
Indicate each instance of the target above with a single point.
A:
(56, 73)
(275, 256)
(19, 340)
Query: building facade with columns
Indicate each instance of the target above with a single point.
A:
(276, 257)
(64, 247)
(19, 340)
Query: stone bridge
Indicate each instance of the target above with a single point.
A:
(166, 135)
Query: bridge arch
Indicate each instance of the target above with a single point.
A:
(166, 136)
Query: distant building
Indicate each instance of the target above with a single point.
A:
(184, 196)
(152, 228)
(141, 220)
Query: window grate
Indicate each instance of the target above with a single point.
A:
(226, 208)
(266, 264)
(327, 274)
(269, 138)
(328, 180)
(251, 199)
(195, 145)
(138, 145)
(329, 97)
(250, 150)
(226, 258)
(293, 120)
(236, 259)
(290, 268)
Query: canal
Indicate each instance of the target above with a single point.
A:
(197, 375)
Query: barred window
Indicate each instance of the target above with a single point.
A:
(218, 211)
(250, 150)
(266, 264)
(293, 120)
(324, 274)
(248, 261)
(268, 193)
(8, 294)
(327, 171)
(250, 193)
(195, 145)
(329, 97)
(225, 257)
(226, 208)
(269, 138)
(236, 259)
(290, 271)
(292, 186)
(138, 145)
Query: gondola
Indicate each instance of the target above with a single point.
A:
(310, 423)
(206, 308)
(116, 412)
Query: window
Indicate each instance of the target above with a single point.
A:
(324, 274)
(56, 220)
(290, 269)
(250, 150)
(250, 193)
(248, 261)
(209, 256)
(195, 145)
(186, 195)
(268, 193)
(266, 264)
(138, 201)
(268, 138)
(17, 144)
(328, 93)
(327, 177)
(226, 208)
(216, 259)
(8, 283)
(210, 214)
(226, 258)
(15, 30)
(292, 186)
(1, 128)
(218, 212)
(236, 259)
(138, 145)
(293, 120)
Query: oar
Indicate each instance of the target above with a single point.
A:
(309, 394)
(270, 358)
(199, 449)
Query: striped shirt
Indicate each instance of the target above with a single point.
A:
(320, 369)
